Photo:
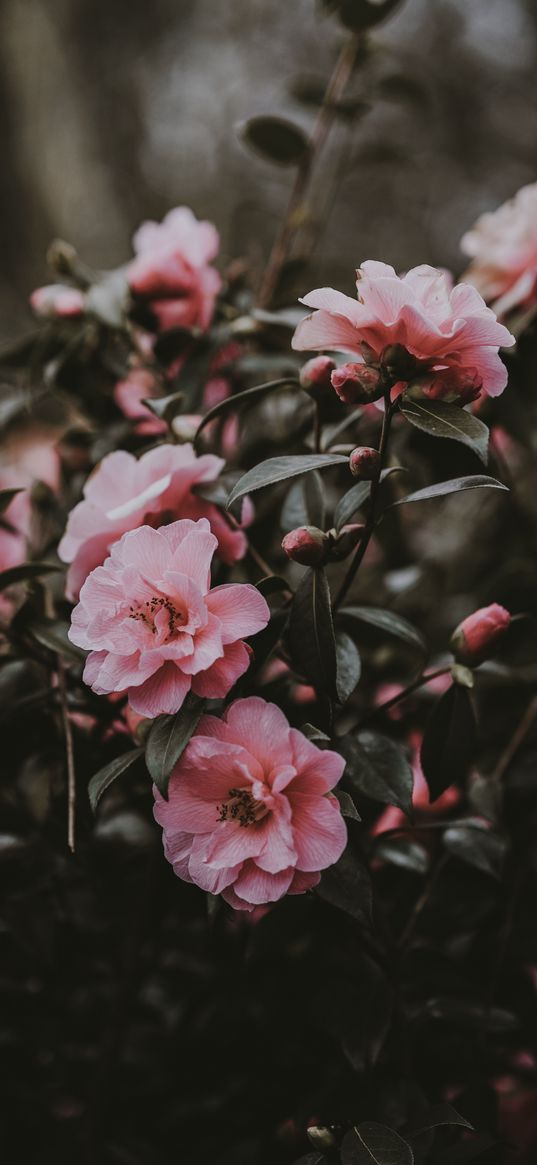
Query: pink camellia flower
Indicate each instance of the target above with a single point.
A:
(250, 814)
(172, 271)
(123, 493)
(421, 314)
(473, 639)
(503, 249)
(57, 299)
(153, 626)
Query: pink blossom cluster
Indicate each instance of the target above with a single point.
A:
(503, 250)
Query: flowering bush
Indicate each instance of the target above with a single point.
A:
(268, 597)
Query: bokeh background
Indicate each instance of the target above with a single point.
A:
(116, 110)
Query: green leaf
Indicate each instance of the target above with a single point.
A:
(349, 666)
(388, 622)
(347, 885)
(378, 767)
(372, 1144)
(275, 138)
(102, 780)
(346, 804)
(438, 1116)
(108, 299)
(448, 741)
(360, 15)
(311, 632)
(165, 407)
(312, 485)
(280, 469)
(439, 419)
(477, 845)
(26, 572)
(454, 485)
(240, 400)
(53, 633)
(355, 497)
(402, 852)
(6, 497)
(168, 739)
(272, 583)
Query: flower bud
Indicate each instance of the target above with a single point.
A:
(473, 639)
(357, 383)
(364, 463)
(398, 362)
(452, 385)
(307, 545)
(56, 299)
(321, 1138)
(315, 375)
(185, 427)
(346, 541)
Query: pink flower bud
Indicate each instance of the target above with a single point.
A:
(346, 541)
(307, 545)
(473, 639)
(315, 374)
(452, 385)
(186, 426)
(357, 383)
(364, 463)
(57, 300)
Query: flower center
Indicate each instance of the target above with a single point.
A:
(243, 807)
(146, 614)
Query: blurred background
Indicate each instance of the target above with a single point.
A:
(113, 111)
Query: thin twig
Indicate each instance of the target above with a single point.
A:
(69, 757)
(421, 902)
(295, 213)
(413, 687)
(519, 735)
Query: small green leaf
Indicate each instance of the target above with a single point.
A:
(102, 780)
(388, 622)
(346, 804)
(448, 741)
(275, 138)
(168, 739)
(272, 583)
(108, 298)
(454, 485)
(26, 572)
(439, 419)
(378, 767)
(437, 1116)
(355, 497)
(240, 400)
(311, 632)
(54, 634)
(349, 666)
(372, 1144)
(477, 845)
(402, 852)
(165, 407)
(280, 469)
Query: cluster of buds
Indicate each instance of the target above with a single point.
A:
(365, 381)
(473, 640)
(310, 546)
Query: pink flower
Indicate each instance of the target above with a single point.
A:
(153, 626)
(250, 814)
(441, 326)
(56, 299)
(172, 270)
(123, 493)
(474, 638)
(503, 249)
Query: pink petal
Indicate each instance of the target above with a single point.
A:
(262, 729)
(220, 677)
(165, 691)
(322, 330)
(319, 830)
(193, 557)
(240, 608)
(257, 886)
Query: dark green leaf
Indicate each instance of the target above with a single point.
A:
(165, 407)
(108, 298)
(316, 735)
(388, 622)
(347, 885)
(448, 741)
(402, 852)
(471, 1015)
(349, 666)
(355, 497)
(275, 138)
(311, 632)
(378, 767)
(280, 469)
(312, 485)
(346, 804)
(439, 419)
(438, 1116)
(168, 739)
(241, 399)
(102, 780)
(53, 633)
(455, 485)
(26, 572)
(478, 846)
(272, 583)
(372, 1144)
(6, 497)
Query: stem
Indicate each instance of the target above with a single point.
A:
(294, 215)
(421, 903)
(413, 687)
(318, 428)
(70, 758)
(518, 737)
(372, 516)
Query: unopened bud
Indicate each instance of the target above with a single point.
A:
(307, 545)
(321, 1137)
(357, 383)
(57, 300)
(473, 639)
(398, 363)
(452, 385)
(315, 375)
(346, 541)
(62, 257)
(185, 427)
(364, 463)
